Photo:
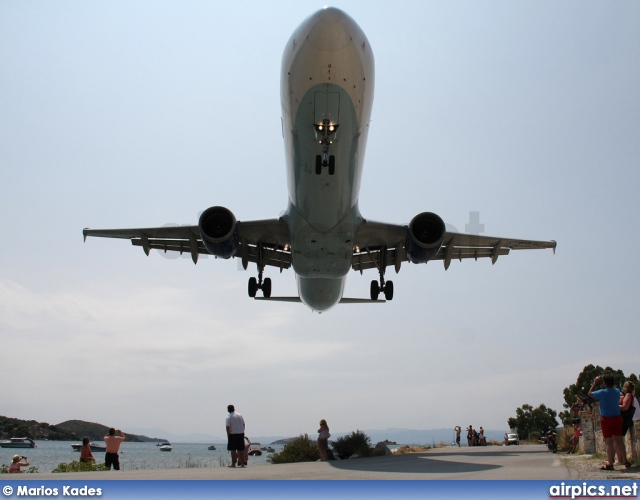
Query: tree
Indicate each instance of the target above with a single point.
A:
(584, 383)
(533, 422)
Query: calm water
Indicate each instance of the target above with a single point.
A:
(48, 454)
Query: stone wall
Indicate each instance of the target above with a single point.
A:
(592, 442)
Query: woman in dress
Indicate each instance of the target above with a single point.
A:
(323, 439)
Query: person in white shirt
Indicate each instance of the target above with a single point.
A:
(235, 436)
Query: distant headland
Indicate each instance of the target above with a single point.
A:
(71, 430)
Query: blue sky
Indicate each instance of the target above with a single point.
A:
(137, 114)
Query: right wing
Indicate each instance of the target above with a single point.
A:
(380, 245)
(261, 240)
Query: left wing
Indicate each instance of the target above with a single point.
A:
(380, 245)
(261, 240)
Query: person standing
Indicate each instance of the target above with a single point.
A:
(113, 446)
(235, 436)
(17, 462)
(323, 439)
(610, 420)
(85, 451)
(458, 430)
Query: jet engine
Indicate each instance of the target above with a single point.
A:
(424, 237)
(219, 231)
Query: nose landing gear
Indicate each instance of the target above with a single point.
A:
(325, 134)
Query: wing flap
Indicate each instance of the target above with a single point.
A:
(380, 245)
(263, 241)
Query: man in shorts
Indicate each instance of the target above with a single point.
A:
(113, 446)
(610, 420)
(235, 436)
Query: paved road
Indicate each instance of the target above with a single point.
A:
(492, 462)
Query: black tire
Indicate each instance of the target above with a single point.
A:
(253, 287)
(374, 290)
(388, 290)
(266, 287)
(318, 164)
(332, 165)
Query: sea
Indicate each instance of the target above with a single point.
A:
(47, 455)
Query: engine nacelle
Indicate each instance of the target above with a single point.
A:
(219, 231)
(425, 235)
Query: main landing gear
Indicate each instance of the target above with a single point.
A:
(260, 284)
(384, 287)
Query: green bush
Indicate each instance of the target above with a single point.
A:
(301, 449)
(356, 443)
(76, 466)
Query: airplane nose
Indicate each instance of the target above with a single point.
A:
(330, 29)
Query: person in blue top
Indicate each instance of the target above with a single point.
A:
(610, 420)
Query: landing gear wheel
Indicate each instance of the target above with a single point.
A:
(318, 164)
(266, 288)
(388, 290)
(253, 287)
(332, 165)
(375, 290)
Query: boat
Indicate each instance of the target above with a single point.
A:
(165, 447)
(254, 449)
(17, 443)
(94, 447)
(165, 443)
(270, 449)
(212, 447)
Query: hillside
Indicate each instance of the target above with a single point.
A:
(97, 431)
(71, 430)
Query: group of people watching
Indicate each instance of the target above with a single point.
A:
(235, 427)
(474, 438)
(111, 456)
(617, 411)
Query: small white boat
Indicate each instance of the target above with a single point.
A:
(212, 447)
(165, 447)
(270, 449)
(17, 443)
(164, 443)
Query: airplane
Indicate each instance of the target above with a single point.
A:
(326, 89)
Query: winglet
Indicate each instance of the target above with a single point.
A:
(555, 244)
(84, 234)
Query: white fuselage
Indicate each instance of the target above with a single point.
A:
(327, 83)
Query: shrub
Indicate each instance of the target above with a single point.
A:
(301, 449)
(356, 443)
(76, 466)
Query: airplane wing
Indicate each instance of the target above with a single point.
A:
(379, 245)
(268, 238)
